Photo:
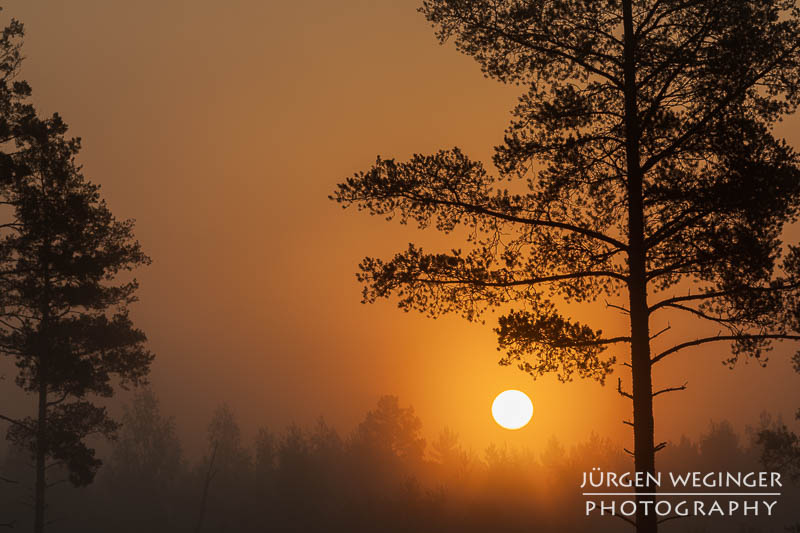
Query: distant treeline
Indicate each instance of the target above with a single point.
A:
(383, 477)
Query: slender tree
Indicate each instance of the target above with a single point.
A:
(64, 316)
(145, 469)
(225, 473)
(650, 176)
(147, 454)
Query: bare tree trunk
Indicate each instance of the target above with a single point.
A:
(643, 424)
(206, 485)
(41, 457)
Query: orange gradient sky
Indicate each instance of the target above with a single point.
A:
(221, 127)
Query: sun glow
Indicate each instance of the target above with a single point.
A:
(512, 409)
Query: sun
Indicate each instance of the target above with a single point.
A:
(512, 409)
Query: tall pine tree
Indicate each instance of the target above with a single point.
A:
(64, 314)
(650, 176)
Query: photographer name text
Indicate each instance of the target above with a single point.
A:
(683, 494)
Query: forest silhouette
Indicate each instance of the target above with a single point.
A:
(382, 476)
(637, 197)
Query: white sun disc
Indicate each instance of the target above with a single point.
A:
(512, 409)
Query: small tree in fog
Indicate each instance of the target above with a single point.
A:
(449, 453)
(146, 466)
(780, 446)
(225, 472)
(148, 448)
(392, 430)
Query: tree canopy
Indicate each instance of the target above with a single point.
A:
(640, 165)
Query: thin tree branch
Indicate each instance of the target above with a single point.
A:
(17, 423)
(528, 221)
(622, 392)
(60, 400)
(716, 294)
(618, 307)
(660, 332)
(705, 340)
(529, 281)
(642, 29)
(669, 229)
(671, 389)
(697, 312)
(9, 325)
(656, 272)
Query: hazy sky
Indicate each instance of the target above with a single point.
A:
(221, 127)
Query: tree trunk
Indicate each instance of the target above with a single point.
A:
(643, 424)
(642, 389)
(41, 457)
(206, 485)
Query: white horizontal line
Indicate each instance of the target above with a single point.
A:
(754, 494)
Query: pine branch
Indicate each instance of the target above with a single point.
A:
(717, 294)
(17, 423)
(718, 319)
(517, 283)
(471, 208)
(705, 340)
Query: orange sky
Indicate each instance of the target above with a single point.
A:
(222, 128)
